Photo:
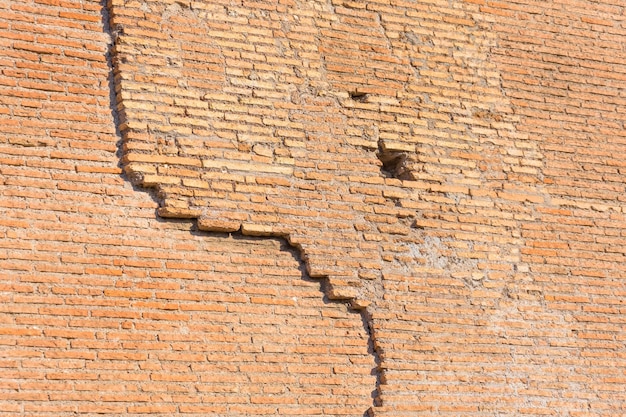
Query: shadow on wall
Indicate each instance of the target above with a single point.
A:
(330, 125)
(271, 347)
(322, 123)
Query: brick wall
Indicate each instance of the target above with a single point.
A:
(312, 207)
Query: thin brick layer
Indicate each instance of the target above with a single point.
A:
(340, 125)
(456, 164)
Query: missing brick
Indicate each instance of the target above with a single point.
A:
(395, 163)
(358, 96)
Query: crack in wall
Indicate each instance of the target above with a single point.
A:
(138, 178)
(261, 158)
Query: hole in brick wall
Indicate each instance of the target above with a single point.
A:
(358, 96)
(395, 164)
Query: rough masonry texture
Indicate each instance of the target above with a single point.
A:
(325, 207)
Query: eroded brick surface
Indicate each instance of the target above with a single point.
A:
(276, 119)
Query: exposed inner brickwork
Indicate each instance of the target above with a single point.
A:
(453, 168)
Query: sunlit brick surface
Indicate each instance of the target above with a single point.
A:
(453, 169)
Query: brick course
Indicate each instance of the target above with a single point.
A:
(449, 170)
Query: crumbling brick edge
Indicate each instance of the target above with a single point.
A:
(213, 225)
